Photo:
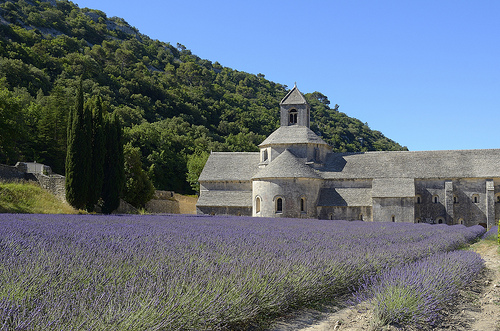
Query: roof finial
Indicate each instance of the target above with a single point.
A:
(295, 85)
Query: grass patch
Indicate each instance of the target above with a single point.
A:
(30, 198)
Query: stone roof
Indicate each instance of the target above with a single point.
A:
(482, 163)
(286, 165)
(230, 166)
(344, 197)
(393, 187)
(294, 97)
(293, 134)
(214, 198)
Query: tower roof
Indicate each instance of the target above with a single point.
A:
(286, 165)
(294, 97)
(293, 135)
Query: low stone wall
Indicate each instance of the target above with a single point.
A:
(55, 184)
(168, 202)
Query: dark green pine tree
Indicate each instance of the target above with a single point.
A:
(96, 108)
(78, 155)
(114, 175)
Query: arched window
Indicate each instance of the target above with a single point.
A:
(461, 221)
(455, 199)
(475, 198)
(418, 220)
(302, 205)
(279, 205)
(293, 117)
(330, 216)
(498, 198)
(440, 221)
(393, 218)
(257, 205)
(418, 199)
(435, 199)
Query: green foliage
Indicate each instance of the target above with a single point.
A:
(114, 175)
(195, 165)
(151, 86)
(138, 187)
(96, 108)
(79, 154)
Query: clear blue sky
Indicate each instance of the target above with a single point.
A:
(426, 73)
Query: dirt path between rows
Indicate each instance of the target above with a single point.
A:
(477, 308)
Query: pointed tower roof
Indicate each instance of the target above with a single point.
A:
(286, 165)
(294, 97)
(292, 135)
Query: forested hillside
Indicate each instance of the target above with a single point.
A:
(174, 106)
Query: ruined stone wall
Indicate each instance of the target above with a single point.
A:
(55, 184)
(10, 172)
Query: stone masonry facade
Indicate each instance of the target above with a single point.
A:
(297, 175)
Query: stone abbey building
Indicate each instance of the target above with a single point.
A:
(296, 174)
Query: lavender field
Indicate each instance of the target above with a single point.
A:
(89, 272)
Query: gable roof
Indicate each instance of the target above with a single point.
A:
(237, 166)
(481, 163)
(393, 187)
(286, 165)
(293, 134)
(294, 97)
(215, 198)
(345, 197)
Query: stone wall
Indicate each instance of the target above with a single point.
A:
(55, 184)
(226, 211)
(10, 172)
(393, 210)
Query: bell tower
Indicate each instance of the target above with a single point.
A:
(294, 109)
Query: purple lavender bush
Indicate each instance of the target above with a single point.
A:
(62, 272)
(415, 293)
(492, 234)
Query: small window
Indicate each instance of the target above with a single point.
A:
(257, 205)
(330, 216)
(279, 205)
(418, 199)
(264, 155)
(435, 199)
(303, 205)
(475, 198)
(498, 198)
(440, 221)
(361, 217)
(393, 218)
(418, 220)
(293, 117)
(455, 199)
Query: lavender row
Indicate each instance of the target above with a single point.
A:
(416, 292)
(183, 272)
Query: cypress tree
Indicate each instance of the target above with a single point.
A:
(78, 154)
(95, 107)
(114, 175)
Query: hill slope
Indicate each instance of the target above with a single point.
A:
(172, 104)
